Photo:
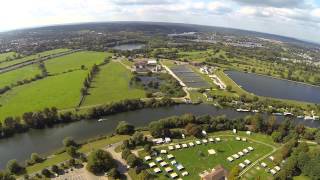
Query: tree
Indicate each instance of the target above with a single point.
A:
(36, 158)
(133, 160)
(14, 167)
(234, 173)
(317, 137)
(72, 151)
(193, 129)
(68, 141)
(100, 161)
(46, 172)
(55, 169)
(229, 88)
(6, 176)
(114, 173)
(124, 128)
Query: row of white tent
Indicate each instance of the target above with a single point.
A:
(240, 154)
(241, 139)
(192, 144)
(272, 171)
(245, 163)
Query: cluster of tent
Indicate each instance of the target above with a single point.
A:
(162, 163)
(240, 154)
(192, 144)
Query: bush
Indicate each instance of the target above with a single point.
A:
(124, 128)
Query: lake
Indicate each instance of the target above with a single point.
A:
(128, 47)
(45, 141)
(275, 88)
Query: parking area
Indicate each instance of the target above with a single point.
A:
(79, 174)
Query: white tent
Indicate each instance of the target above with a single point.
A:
(277, 168)
(170, 148)
(234, 131)
(242, 165)
(230, 159)
(167, 140)
(159, 159)
(211, 151)
(245, 151)
(191, 144)
(247, 161)
(163, 164)
(173, 162)
(238, 138)
(204, 132)
(244, 139)
(235, 156)
(168, 169)
(211, 139)
(271, 158)
(263, 164)
(173, 175)
(152, 164)
(163, 151)
(179, 167)
(198, 142)
(240, 153)
(147, 158)
(250, 148)
(185, 173)
(184, 145)
(204, 141)
(218, 139)
(177, 146)
(157, 170)
(248, 132)
(273, 172)
(170, 156)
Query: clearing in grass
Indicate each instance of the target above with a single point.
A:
(111, 85)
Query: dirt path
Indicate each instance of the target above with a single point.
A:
(122, 164)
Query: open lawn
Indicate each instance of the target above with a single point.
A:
(4, 56)
(197, 159)
(45, 53)
(112, 84)
(12, 77)
(62, 91)
(75, 61)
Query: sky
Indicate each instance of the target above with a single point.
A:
(294, 18)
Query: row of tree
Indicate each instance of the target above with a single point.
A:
(50, 116)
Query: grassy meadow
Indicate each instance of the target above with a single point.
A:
(12, 77)
(197, 159)
(62, 91)
(26, 58)
(112, 84)
(75, 61)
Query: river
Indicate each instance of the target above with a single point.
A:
(45, 141)
(275, 88)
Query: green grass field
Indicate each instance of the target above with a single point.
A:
(45, 53)
(4, 56)
(74, 61)
(112, 84)
(12, 77)
(197, 159)
(62, 91)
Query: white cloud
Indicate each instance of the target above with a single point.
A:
(291, 17)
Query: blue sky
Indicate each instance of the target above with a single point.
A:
(295, 18)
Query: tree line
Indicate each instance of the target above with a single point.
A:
(49, 117)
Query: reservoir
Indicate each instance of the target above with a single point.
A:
(45, 141)
(275, 88)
